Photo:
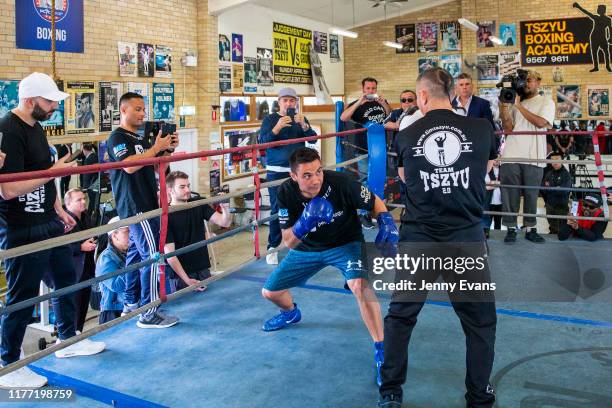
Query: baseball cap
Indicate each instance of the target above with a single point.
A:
(593, 199)
(290, 92)
(39, 84)
(534, 74)
(115, 219)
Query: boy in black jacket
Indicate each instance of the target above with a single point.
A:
(556, 201)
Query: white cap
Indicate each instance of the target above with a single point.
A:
(38, 84)
(115, 219)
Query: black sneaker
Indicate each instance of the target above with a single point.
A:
(510, 236)
(390, 401)
(156, 321)
(366, 221)
(533, 236)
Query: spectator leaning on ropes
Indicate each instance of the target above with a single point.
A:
(110, 260)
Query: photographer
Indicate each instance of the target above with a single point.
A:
(529, 112)
(589, 230)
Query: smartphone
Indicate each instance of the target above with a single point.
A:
(371, 97)
(168, 129)
(574, 210)
(291, 112)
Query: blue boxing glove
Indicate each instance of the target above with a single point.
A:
(318, 210)
(388, 235)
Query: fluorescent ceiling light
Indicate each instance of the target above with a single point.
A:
(496, 40)
(344, 33)
(393, 44)
(468, 24)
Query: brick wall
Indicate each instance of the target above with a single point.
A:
(366, 55)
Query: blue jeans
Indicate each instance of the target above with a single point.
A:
(23, 275)
(299, 266)
(144, 239)
(275, 235)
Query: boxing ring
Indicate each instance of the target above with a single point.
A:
(219, 356)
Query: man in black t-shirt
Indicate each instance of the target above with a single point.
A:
(186, 227)
(135, 192)
(319, 223)
(445, 158)
(370, 107)
(30, 211)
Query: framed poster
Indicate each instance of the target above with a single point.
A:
(238, 165)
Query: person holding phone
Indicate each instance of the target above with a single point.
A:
(589, 230)
(285, 124)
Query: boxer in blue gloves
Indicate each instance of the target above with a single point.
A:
(319, 223)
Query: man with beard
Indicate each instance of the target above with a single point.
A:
(30, 211)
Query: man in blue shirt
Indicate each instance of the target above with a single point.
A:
(283, 125)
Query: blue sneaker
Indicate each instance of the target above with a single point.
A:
(390, 401)
(379, 358)
(283, 319)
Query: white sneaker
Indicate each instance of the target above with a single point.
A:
(272, 259)
(22, 378)
(84, 347)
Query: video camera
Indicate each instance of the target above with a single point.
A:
(152, 128)
(511, 85)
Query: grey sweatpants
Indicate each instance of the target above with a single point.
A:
(525, 175)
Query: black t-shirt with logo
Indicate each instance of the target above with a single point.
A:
(445, 157)
(26, 149)
(345, 195)
(136, 192)
(369, 111)
(185, 228)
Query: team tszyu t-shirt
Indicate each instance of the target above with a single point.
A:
(185, 228)
(345, 195)
(26, 149)
(137, 192)
(445, 157)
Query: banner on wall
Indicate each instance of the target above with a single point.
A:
(250, 74)
(128, 62)
(108, 106)
(599, 100)
(237, 78)
(142, 89)
(563, 41)
(33, 25)
(291, 54)
(80, 116)
(405, 35)
(265, 76)
(163, 101)
(54, 126)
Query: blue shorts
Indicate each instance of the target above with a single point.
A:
(299, 266)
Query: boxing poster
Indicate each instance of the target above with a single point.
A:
(320, 42)
(128, 63)
(486, 30)
(163, 61)
(163, 101)
(225, 77)
(237, 78)
(509, 62)
(568, 102)
(405, 35)
(224, 48)
(491, 95)
(237, 50)
(488, 67)
(427, 37)
(80, 116)
(334, 49)
(142, 89)
(451, 63)
(507, 33)
(146, 60)
(9, 98)
(291, 54)
(599, 100)
(108, 106)
(426, 63)
(450, 36)
(250, 74)
(265, 77)
(54, 126)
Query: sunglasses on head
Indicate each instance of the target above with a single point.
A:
(407, 100)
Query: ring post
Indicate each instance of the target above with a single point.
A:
(339, 128)
(600, 173)
(377, 158)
